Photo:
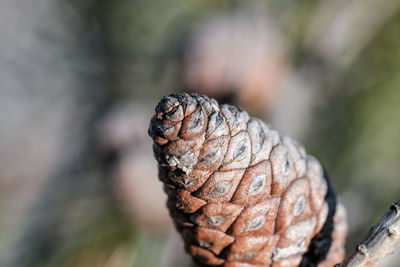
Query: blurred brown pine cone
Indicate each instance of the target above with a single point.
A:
(238, 57)
(239, 193)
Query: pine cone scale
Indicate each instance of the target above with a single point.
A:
(255, 184)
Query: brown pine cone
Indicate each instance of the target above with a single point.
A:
(239, 193)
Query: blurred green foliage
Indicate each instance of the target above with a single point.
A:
(357, 132)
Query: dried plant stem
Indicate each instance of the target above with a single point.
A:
(380, 241)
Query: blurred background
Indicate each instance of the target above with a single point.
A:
(80, 79)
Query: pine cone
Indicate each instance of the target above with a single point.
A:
(239, 193)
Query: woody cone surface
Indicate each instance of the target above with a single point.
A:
(240, 194)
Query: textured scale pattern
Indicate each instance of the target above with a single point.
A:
(240, 194)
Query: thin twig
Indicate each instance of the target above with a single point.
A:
(380, 241)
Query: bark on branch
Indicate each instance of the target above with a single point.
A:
(380, 241)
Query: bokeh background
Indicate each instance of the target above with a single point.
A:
(79, 80)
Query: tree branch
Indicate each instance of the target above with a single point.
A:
(380, 241)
